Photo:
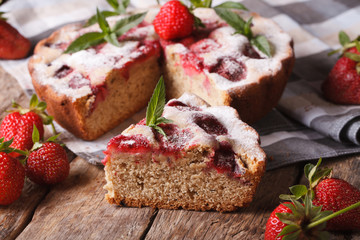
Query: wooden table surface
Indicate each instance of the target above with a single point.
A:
(76, 208)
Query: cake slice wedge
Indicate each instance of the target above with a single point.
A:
(209, 160)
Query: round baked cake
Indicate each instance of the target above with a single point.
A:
(93, 90)
(223, 68)
(210, 160)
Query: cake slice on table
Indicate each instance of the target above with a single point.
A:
(193, 157)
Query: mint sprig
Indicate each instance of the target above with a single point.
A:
(155, 108)
(244, 27)
(118, 9)
(108, 34)
(224, 11)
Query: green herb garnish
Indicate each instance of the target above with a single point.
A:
(118, 9)
(108, 34)
(244, 27)
(235, 21)
(155, 108)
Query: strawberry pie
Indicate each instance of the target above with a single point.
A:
(91, 91)
(209, 160)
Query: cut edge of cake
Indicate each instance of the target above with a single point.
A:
(141, 171)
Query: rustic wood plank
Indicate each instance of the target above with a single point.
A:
(248, 223)
(15, 217)
(77, 209)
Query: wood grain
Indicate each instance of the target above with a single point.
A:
(248, 223)
(76, 209)
(14, 218)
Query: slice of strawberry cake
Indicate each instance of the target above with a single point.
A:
(209, 160)
(91, 91)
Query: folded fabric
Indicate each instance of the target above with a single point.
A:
(303, 127)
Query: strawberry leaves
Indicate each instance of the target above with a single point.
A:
(306, 219)
(108, 34)
(155, 108)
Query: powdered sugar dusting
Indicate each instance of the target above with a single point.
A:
(92, 64)
(232, 46)
(243, 138)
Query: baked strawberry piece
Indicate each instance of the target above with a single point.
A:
(198, 158)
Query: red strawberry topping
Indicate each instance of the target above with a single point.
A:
(12, 44)
(173, 21)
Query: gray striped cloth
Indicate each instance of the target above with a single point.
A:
(302, 127)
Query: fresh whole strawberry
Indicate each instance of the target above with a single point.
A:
(48, 164)
(274, 226)
(12, 175)
(308, 219)
(20, 127)
(20, 123)
(173, 21)
(335, 194)
(12, 44)
(343, 83)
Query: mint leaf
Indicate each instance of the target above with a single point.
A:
(262, 44)
(93, 19)
(160, 130)
(112, 39)
(344, 38)
(107, 34)
(120, 8)
(157, 102)
(155, 108)
(103, 24)
(113, 3)
(85, 41)
(197, 22)
(125, 24)
(200, 4)
(232, 5)
(247, 29)
(233, 19)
